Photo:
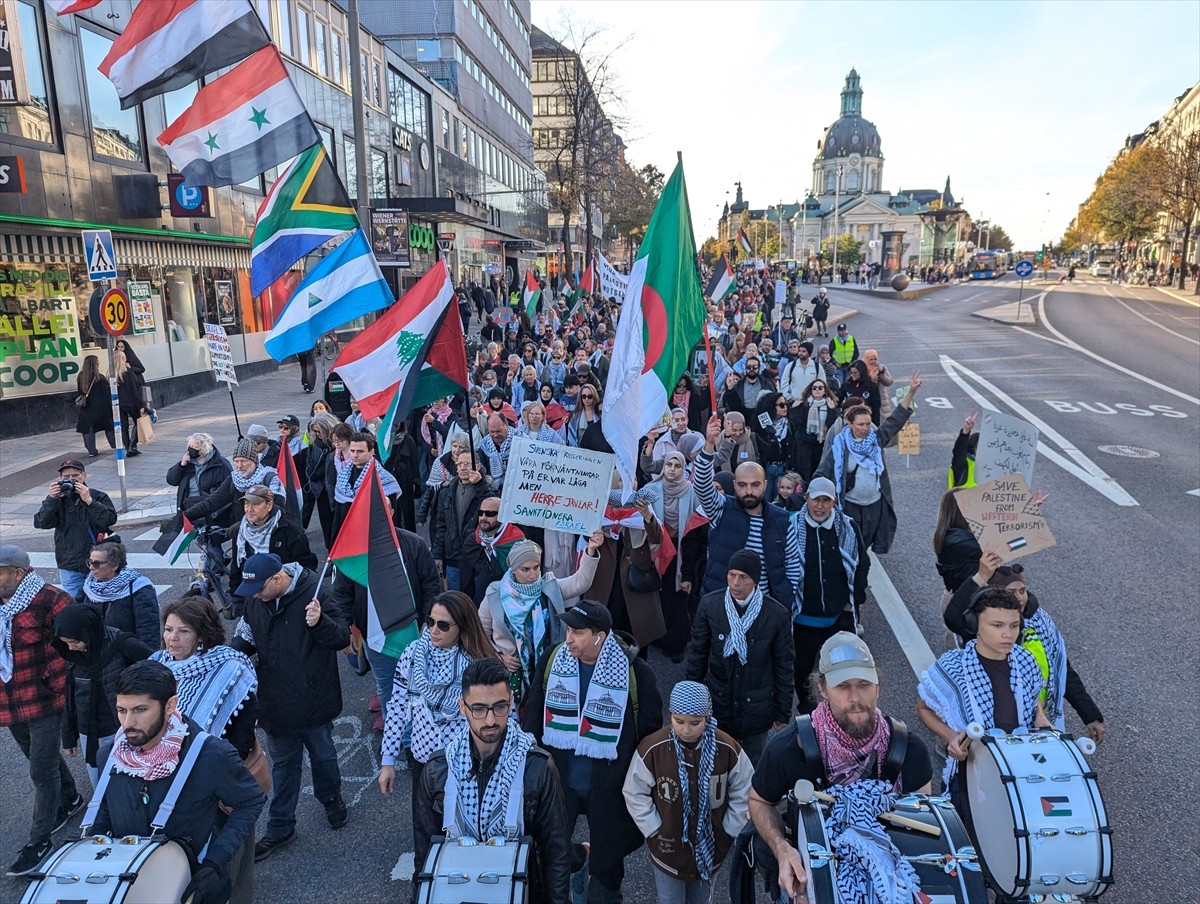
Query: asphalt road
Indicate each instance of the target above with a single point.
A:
(1104, 366)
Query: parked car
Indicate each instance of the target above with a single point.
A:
(1102, 268)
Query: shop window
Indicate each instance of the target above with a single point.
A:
(185, 315)
(33, 121)
(218, 288)
(116, 133)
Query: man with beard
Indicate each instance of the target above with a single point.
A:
(745, 521)
(845, 740)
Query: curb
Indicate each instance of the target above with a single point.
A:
(145, 516)
(1002, 314)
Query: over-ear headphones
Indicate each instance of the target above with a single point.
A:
(971, 617)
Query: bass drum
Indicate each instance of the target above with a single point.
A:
(946, 866)
(465, 871)
(1040, 822)
(129, 870)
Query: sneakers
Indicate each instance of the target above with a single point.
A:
(336, 812)
(377, 725)
(374, 706)
(29, 858)
(67, 810)
(267, 846)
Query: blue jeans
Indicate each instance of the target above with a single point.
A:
(287, 759)
(71, 581)
(93, 771)
(452, 577)
(670, 890)
(383, 670)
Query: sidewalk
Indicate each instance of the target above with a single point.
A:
(29, 463)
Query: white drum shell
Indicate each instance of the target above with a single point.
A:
(90, 870)
(1038, 816)
(457, 873)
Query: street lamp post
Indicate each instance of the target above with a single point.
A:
(779, 243)
(804, 229)
(837, 196)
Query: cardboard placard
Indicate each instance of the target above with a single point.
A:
(220, 353)
(1003, 518)
(1007, 445)
(910, 439)
(560, 487)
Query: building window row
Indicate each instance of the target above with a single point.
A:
(553, 70)
(468, 64)
(408, 105)
(551, 139)
(477, 13)
(550, 105)
(467, 143)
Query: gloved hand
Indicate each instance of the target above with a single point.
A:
(208, 886)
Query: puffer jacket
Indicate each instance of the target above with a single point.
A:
(209, 475)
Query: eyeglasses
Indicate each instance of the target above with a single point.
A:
(96, 563)
(443, 626)
(489, 513)
(500, 710)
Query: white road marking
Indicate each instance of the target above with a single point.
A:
(1085, 469)
(160, 589)
(912, 641)
(141, 561)
(358, 758)
(1075, 346)
(1151, 322)
(152, 535)
(1178, 297)
(405, 867)
(1040, 336)
(1195, 492)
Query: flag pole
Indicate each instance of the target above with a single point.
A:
(712, 389)
(324, 569)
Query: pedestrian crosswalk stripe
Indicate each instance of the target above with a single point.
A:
(140, 561)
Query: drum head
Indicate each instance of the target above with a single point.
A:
(807, 824)
(163, 877)
(162, 870)
(993, 815)
(965, 885)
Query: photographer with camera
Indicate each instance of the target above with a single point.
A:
(78, 515)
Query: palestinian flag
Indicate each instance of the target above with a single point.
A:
(744, 242)
(661, 320)
(176, 537)
(583, 291)
(531, 294)
(306, 207)
(722, 282)
(367, 551)
(289, 476)
(509, 534)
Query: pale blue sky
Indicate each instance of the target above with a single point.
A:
(1022, 104)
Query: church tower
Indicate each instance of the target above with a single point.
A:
(853, 143)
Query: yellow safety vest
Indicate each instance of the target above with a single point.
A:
(1031, 642)
(966, 484)
(843, 351)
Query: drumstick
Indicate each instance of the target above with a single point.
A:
(806, 791)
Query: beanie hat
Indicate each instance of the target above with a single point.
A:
(690, 698)
(523, 552)
(743, 560)
(246, 449)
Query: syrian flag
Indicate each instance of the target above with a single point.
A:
(171, 43)
(382, 366)
(722, 282)
(176, 538)
(367, 551)
(661, 320)
(744, 242)
(289, 476)
(62, 7)
(530, 294)
(241, 124)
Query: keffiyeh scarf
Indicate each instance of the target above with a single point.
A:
(125, 582)
(17, 603)
(499, 812)
(847, 539)
(346, 488)
(848, 760)
(958, 690)
(1051, 639)
(545, 434)
(159, 761)
(866, 454)
(697, 814)
(497, 456)
(593, 729)
(262, 475)
(739, 624)
(213, 685)
(434, 678)
(257, 538)
(525, 617)
(869, 866)
(818, 412)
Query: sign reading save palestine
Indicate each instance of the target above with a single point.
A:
(660, 321)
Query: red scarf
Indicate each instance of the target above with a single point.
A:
(154, 762)
(848, 760)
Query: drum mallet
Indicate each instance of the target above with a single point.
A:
(805, 791)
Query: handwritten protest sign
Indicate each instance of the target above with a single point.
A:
(220, 353)
(910, 439)
(559, 487)
(1007, 445)
(1004, 519)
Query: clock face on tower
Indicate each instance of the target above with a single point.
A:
(854, 161)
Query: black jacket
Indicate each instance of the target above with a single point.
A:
(314, 467)
(544, 813)
(130, 393)
(211, 475)
(218, 777)
(351, 597)
(958, 558)
(75, 526)
(96, 413)
(136, 613)
(298, 683)
(288, 541)
(225, 505)
(448, 530)
(748, 698)
(478, 570)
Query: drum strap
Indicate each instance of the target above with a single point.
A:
(806, 740)
(893, 764)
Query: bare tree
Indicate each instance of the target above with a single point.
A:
(1176, 186)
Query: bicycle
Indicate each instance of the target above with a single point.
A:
(328, 345)
(209, 572)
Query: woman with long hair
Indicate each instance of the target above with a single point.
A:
(533, 425)
(858, 382)
(583, 427)
(95, 409)
(320, 435)
(130, 393)
(811, 417)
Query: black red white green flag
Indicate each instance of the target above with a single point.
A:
(722, 282)
(289, 476)
(367, 551)
(176, 538)
(744, 242)
(531, 294)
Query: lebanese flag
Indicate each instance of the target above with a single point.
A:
(62, 7)
(367, 551)
(665, 551)
(531, 293)
(171, 43)
(242, 124)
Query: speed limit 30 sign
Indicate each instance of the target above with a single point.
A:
(114, 312)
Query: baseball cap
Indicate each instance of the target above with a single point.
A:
(258, 491)
(842, 326)
(71, 463)
(13, 556)
(290, 419)
(260, 568)
(845, 657)
(821, 486)
(588, 614)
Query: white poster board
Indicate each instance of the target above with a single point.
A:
(1007, 445)
(781, 291)
(220, 353)
(559, 487)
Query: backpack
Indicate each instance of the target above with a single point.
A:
(806, 740)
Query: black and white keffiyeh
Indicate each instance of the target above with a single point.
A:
(593, 729)
(257, 538)
(499, 812)
(740, 621)
(869, 866)
(262, 476)
(17, 603)
(847, 539)
(125, 582)
(435, 677)
(1051, 639)
(213, 685)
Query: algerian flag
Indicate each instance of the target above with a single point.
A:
(661, 320)
(177, 537)
(531, 294)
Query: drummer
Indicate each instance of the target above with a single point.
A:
(992, 681)
(141, 761)
(846, 739)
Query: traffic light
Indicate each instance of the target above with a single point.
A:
(1040, 255)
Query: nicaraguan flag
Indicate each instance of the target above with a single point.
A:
(345, 284)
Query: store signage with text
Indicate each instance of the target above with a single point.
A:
(39, 332)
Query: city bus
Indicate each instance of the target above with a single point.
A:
(988, 265)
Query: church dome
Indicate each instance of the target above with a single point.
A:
(851, 134)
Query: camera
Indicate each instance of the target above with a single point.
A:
(66, 485)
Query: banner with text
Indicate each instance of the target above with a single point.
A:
(1003, 518)
(1007, 445)
(559, 487)
(220, 353)
(612, 283)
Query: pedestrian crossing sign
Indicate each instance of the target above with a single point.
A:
(98, 251)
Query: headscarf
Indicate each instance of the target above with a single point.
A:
(86, 624)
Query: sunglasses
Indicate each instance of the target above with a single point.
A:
(815, 388)
(489, 513)
(443, 626)
(96, 563)
(586, 395)
(781, 404)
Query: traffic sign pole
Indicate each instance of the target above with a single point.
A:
(1023, 270)
(114, 316)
